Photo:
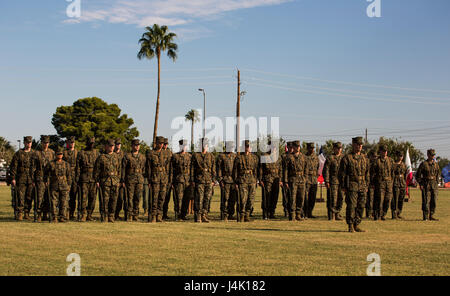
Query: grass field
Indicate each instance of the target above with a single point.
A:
(280, 247)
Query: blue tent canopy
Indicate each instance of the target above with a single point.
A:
(446, 174)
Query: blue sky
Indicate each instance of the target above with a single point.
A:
(323, 66)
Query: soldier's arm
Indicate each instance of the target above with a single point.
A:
(342, 171)
(97, 169)
(78, 167)
(419, 174)
(123, 170)
(213, 168)
(170, 170)
(13, 167)
(69, 174)
(219, 169)
(325, 174)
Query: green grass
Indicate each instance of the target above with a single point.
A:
(312, 247)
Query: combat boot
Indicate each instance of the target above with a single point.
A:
(20, 217)
(61, 219)
(272, 215)
(399, 216)
(383, 218)
(433, 219)
(297, 217)
(83, 218)
(205, 219)
(45, 217)
(338, 217)
(198, 218)
(135, 218)
(54, 220)
(39, 218)
(72, 216)
(394, 216)
(350, 228)
(152, 218)
(158, 218)
(247, 217)
(425, 216)
(241, 218)
(225, 218)
(89, 217)
(290, 216)
(357, 229)
(27, 216)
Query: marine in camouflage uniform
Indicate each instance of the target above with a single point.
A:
(180, 177)
(203, 172)
(372, 157)
(107, 173)
(169, 185)
(335, 196)
(21, 178)
(270, 175)
(70, 156)
(224, 168)
(133, 170)
(312, 169)
(294, 175)
(157, 172)
(121, 195)
(285, 191)
(427, 176)
(85, 178)
(399, 189)
(354, 177)
(58, 174)
(382, 179)
(41, 158)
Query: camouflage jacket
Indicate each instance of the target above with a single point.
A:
(58, 174)
(331, 169)
(157, 167)
(312, 168)
(225, 163)
(71, 157)
(270, 169)
(84, 172)
(133, 168)
(40, 160)
(295, 169)
(245, 169)
(400, 175)
(203, 168)
(354, 172)
(21, 166)
(382, 171)
(181, 168)
(428, 173)
(108, 169)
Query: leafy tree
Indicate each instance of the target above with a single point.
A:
(93, 117)
(193, 117)
(6, 150)
(156, 40)
(442, 162)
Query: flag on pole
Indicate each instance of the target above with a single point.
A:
(322, 159)
(409, 171)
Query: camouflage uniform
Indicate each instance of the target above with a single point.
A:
(294, 175)
(203, 172)
(133, 169)
(382, 179)
(70, 156)
(121, 194)
(371, 192)
(225, 163)
(40, 160)
(312, 168)
(180, 177)
(20, 171)
(399, 189)
(157, 172)
(270, 175)
(335, 196)
(285, 191)
(59, 176)
(427, 176)
(107, 172)
(85, 178)
(354, 177)
(169, 184)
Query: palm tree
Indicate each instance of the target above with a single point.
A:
(192, 116)
(155, 40)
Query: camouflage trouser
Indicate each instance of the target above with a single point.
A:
(247, 197)
(188, 195)
(120, 201)
(145, 195)
(429, 198)
(158, 193)
(382, 199)
(167, 199)
(110, 199)
(271, 192)
(397, 200)
(60, 199)
(285, 198)
(296, 198)
(180, 195)
(310, 199)
(134, 193)
(73, 198)
(24, 197)
(369, 202)
(355, 201)
(88, 197)
(42, 198)
(202, 196)
(226, 204)
(335, 198)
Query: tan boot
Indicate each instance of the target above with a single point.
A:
(111, 219)
(247, 217)
(153, 219)
(39, 219)
(205, 219)
(158, 218)
(83, 218)
(55, 220)
(225, 218)
(27, 216)
(337, 217)
(350, 228)
(20, 217)
(357, 229)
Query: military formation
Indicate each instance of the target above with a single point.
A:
(64, 185)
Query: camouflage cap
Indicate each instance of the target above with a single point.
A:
(357, 140)
(28, 139)
(183, 142)
(166, 141)
(204, 141)
(246, 143)
(310, 145)
(90, 140)
(110, 142)
(431, 152)
(45, 139)
(383, 147)
(295, 143)
(398, 153)
(159, 140)
(70, 139)
(289, 144)
(118, 141)
(136, 142)
(59, 150)
(337, 145)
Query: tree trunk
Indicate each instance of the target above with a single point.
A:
(155, 127)
(192, 136)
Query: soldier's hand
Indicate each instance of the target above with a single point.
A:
(212, 184)
(281, 184)
(13, 183)
(261, 183)
(236, 186)
(221, 184)
(98, 185)
(327, 185)
(287, 186)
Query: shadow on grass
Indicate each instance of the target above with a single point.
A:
(282, 230)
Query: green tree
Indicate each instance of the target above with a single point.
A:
(154, 41)
(193, 117)
(93, 117)
(6, 150)
(442, 162)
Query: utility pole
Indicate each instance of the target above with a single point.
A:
(238, 111)
(366, 137)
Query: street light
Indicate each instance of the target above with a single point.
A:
(204, 110)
